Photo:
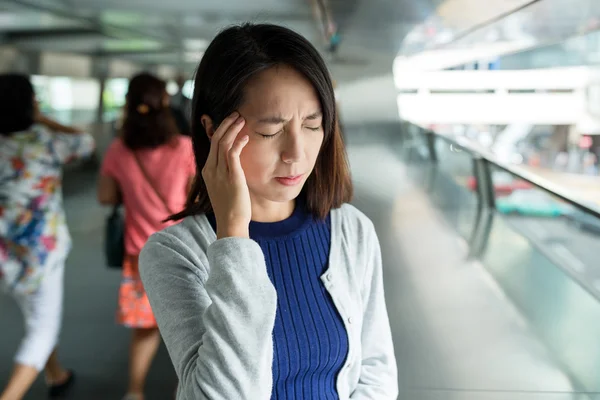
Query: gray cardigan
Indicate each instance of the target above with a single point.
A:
(215, 308)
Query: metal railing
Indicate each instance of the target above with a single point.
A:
(421, 148)
(559, 301)
(489, 159)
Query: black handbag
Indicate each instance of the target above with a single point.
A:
(114, 238)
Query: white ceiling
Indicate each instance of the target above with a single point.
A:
(150, 31)
(175, 32)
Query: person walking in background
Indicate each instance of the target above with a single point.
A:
(34, 239)
(149, 168)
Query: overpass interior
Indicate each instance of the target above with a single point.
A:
(486, 302)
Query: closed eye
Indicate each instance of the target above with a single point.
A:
(271, 136)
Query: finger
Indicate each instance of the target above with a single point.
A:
(213, 153)
(235, 166)
(228, 139)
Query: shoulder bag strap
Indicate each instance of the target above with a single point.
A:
(162, 199)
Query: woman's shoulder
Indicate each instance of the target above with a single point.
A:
(36, 133)
(184, 141)
(37, 139)
(184, 244)
(191, 235)
(353, 222)
(180, 144)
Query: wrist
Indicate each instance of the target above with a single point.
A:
(233, 233)
(232, 230)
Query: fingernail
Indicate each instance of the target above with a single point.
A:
(235, 114)
(239, 120)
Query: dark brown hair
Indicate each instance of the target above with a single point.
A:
(16, 103)
(233, 57)
(148, 120)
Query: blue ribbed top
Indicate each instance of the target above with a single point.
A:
(310, 341)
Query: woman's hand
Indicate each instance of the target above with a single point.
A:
(225, 179)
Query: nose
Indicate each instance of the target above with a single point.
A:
(293, 147)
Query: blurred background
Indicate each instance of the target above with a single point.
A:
(473, 131)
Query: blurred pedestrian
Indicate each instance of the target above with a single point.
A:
(149, 168)
(34, 239)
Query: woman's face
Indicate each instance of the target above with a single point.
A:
(284, 122)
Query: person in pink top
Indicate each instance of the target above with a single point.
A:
(149, 168)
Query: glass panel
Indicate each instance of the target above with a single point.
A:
(415, 152)
(454, 190)
(534, 260)
(564, 155)
(540, 249)
(418, 151)
(566, 233)
(505, 184)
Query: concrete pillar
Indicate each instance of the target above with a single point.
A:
(100, 71)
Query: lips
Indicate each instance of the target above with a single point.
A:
(290, 180)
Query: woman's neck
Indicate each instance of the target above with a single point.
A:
(271, 211)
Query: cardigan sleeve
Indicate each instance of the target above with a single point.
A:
(217, 329)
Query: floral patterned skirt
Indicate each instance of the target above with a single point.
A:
(134, 309)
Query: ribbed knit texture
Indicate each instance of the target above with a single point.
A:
(310, 341)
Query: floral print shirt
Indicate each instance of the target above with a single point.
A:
(33, 233)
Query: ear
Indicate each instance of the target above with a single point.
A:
(208, 125)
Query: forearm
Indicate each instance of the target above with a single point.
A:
(218, 333)
(56, 126)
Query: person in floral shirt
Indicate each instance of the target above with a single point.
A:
(34, 239)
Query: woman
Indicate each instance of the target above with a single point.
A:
(34, 239)
(149, 168)
(271, 286)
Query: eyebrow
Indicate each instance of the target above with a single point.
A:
(271, 120)
(275, 120)
(315, 115)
